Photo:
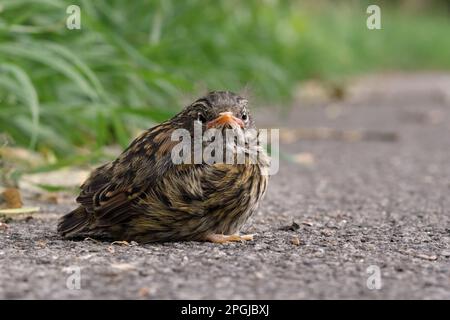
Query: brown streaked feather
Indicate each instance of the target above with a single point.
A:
(111, 189)
(74, 222)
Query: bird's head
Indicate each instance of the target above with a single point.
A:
(219, 110)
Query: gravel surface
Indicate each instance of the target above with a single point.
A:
(357, 201)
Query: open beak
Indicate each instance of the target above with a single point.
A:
(223, 119)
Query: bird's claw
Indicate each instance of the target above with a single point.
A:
(122, 243)
(221, 238)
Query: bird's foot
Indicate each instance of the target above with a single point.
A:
(121, 243)
(221, 238)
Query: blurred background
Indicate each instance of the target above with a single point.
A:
(67, 96)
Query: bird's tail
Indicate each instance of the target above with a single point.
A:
(74, 222)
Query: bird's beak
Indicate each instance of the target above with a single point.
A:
(225, 118)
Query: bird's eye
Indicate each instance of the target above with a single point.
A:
(201, 117)
(244, 116)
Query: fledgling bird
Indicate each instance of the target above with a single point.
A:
(143, 196)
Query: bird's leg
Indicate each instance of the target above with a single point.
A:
(221, 238)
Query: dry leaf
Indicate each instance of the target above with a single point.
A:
(12, 198)
(19, 210)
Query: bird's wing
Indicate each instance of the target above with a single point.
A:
(112, 188)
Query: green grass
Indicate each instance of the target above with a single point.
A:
(71, 92)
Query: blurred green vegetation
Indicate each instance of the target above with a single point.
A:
(133, 63)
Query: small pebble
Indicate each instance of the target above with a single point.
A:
(144, 292)
(445, 253)
(295, 241)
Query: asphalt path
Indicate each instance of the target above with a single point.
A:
(359, 210)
